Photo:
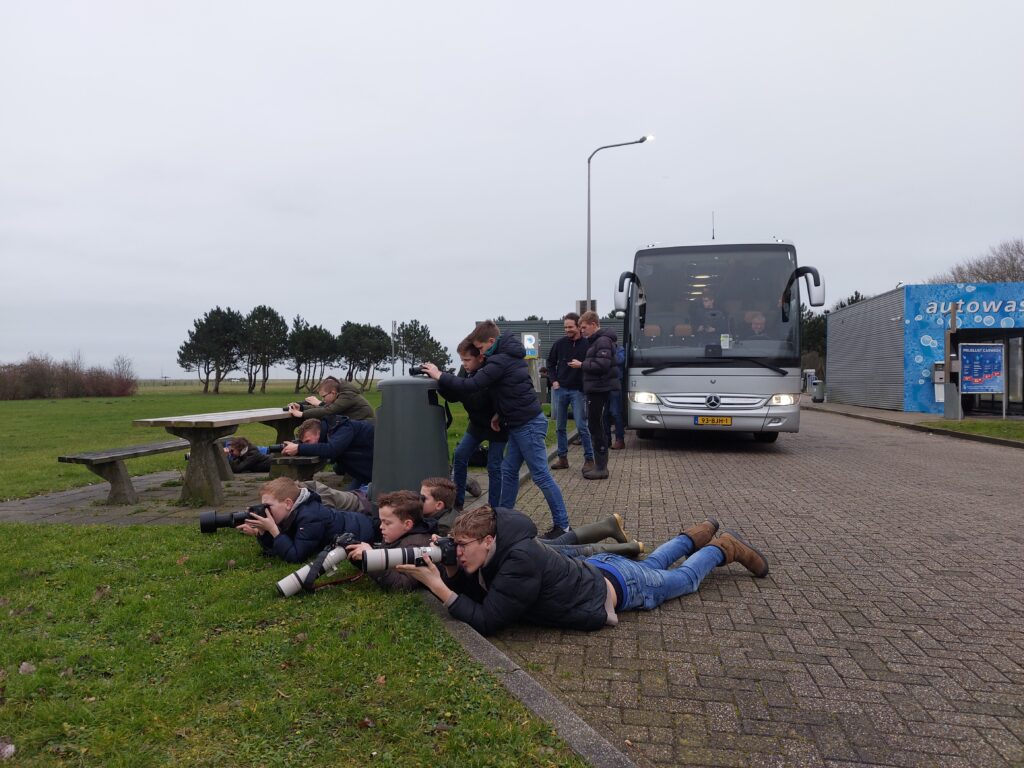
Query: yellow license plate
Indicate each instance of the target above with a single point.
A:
(712, 421)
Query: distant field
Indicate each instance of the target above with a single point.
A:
(36, 432)
(33, 433)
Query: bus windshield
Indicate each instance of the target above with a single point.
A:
(693, 303)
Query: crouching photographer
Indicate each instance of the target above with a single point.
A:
(297, 524)
(401, 525)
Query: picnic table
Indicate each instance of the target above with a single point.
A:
(207, 464)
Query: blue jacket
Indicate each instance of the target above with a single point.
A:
(312, 526)
(479, 407)
(528, 581)
(346, 442)
(508, 377)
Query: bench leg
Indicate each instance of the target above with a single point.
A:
(121, 489)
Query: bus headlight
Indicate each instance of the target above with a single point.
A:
(785, 399)
(644, 398)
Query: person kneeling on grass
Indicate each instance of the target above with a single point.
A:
(401, 525)
(505, 575)
(298, 524)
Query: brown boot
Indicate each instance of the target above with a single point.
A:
(561, 462)
(702, 533)
(588, 466)
(737, 550)
(618, 445)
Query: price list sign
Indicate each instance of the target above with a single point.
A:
(981, 369)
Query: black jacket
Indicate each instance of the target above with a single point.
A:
(600, 372)
(346, 442)
(562, 351)
(528, 581)
(508, 377)
(250, 461)
(479, 407)
(312, 526)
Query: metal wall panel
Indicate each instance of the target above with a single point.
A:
(550, 331)
(865, 364)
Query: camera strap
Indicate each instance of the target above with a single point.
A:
(336, 582)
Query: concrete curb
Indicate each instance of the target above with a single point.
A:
(921, 428)
(581, 738)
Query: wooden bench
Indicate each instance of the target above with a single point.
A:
(295, 467)
(110, 466)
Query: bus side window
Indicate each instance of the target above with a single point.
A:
(652, 333)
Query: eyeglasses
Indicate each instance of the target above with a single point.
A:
(461, 545)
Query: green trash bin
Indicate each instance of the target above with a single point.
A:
(410, 439)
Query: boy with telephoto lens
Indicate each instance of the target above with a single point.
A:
(401, 525)
(297, 524)
(336, 398)
(504, 574)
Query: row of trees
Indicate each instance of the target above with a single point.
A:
(224, 341)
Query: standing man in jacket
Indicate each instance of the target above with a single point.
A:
(600, 378)
(567, 389)
(506, 374)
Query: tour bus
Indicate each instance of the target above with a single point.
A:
(712, 338)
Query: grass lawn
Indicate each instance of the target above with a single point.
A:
(153, 646)
(1009, 429)
(36, 432)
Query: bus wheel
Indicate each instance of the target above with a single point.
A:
(766, 437)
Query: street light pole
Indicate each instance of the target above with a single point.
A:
(641, 140)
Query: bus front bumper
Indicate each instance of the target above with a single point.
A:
(770, 419)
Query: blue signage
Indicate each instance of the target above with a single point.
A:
(981, 369)
(999, 306)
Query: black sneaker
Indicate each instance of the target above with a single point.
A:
(554, 533)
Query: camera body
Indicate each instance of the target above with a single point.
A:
(416, 370)
(303, 407)
(441, 552)
(209, 522)
(275, 448)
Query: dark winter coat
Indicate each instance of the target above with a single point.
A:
(394, 581)
(528, 581)
(600, 370)
(349, 402)
(346, 442)
(562, 351)
(479, 407)
(250, 461)
(508, 377)
(312, 526)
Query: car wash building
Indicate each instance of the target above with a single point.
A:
(889, 351)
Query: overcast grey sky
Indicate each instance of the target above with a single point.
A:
(388, 161)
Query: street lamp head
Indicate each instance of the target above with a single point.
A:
(648, 137)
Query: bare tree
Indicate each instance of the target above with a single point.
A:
(1004, 263)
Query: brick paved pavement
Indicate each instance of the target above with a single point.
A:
(890, 631)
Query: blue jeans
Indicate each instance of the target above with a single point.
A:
(460, 467)
(617, 417)
(526, 443)
(650, 582)
(560, 401)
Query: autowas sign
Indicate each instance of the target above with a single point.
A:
(926, 310)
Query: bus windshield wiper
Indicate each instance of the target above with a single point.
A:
(711, 361)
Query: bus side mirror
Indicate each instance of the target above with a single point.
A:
(815, 290)
(622, 291)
